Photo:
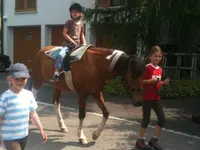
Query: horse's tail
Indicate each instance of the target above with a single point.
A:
(36, 73)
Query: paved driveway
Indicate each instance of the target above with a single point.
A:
(121, 129)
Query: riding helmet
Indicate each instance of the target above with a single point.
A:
(76, 6)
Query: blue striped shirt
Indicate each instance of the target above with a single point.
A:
(15, 110)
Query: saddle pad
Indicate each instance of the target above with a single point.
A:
(78, 53)
(53, 53)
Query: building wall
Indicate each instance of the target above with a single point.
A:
(49, 12)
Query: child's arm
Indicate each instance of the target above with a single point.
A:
(38, 124)
(36, 120)
(83, 41)
(3, 106)
(148, 78)
(150, 81)
(67, 37)
(0, 130)
(34, 116)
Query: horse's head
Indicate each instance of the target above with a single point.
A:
(135, 71)
(137, 66)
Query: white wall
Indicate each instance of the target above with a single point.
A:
(49, 12)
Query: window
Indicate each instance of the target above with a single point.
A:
(110, 3)
(117, 2)
(28, 35)
(102, 3)
(25, 5)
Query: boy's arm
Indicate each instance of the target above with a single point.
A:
(0, 129)
(36, 120)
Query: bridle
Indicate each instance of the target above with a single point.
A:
(128, 78)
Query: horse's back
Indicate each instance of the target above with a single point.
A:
(43, 64)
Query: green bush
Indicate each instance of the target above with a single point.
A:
(181, 89)
(178, 89)
(115, 87)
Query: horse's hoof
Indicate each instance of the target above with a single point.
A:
(83, 141)
(64, 130)
(95, 135)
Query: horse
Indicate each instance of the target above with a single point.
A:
(90, 73)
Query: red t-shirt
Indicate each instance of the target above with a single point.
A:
(151, 72)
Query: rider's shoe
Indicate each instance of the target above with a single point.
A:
(55, 77)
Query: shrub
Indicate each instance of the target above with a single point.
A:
(181, 89)
(178, 89)
(115, 87)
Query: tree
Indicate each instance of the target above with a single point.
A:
(137, 25)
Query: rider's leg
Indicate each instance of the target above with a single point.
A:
(59, 61)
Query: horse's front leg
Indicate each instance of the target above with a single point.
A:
(82, 105)
(100, 102)
(56, 102)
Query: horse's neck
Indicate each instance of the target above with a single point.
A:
(107, 59)
(101, 51)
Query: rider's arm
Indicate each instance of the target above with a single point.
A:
(67, 37)
(83, 41)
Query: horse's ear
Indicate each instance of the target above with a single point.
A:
(146, 59)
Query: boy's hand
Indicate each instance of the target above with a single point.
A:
(44, 136)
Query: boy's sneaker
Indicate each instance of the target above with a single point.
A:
(141, 145)
(55, 77)
(153, 142)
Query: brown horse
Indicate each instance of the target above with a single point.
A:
(89, 75)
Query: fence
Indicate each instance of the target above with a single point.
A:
(176, 63)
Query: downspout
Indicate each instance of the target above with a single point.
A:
(2, 27)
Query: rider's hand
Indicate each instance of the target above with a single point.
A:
(75, 44)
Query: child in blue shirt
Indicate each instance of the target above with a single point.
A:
(16, 104)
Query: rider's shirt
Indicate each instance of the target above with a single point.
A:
(75, 29)
(151, 72)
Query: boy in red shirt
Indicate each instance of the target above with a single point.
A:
(152, 76)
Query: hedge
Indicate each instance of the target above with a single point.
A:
(178, 89)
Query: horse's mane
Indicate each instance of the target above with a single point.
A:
(100, 51)
(121, 65)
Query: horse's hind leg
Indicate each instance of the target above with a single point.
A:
(82, 105)
(100, 102)
(56, 102)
